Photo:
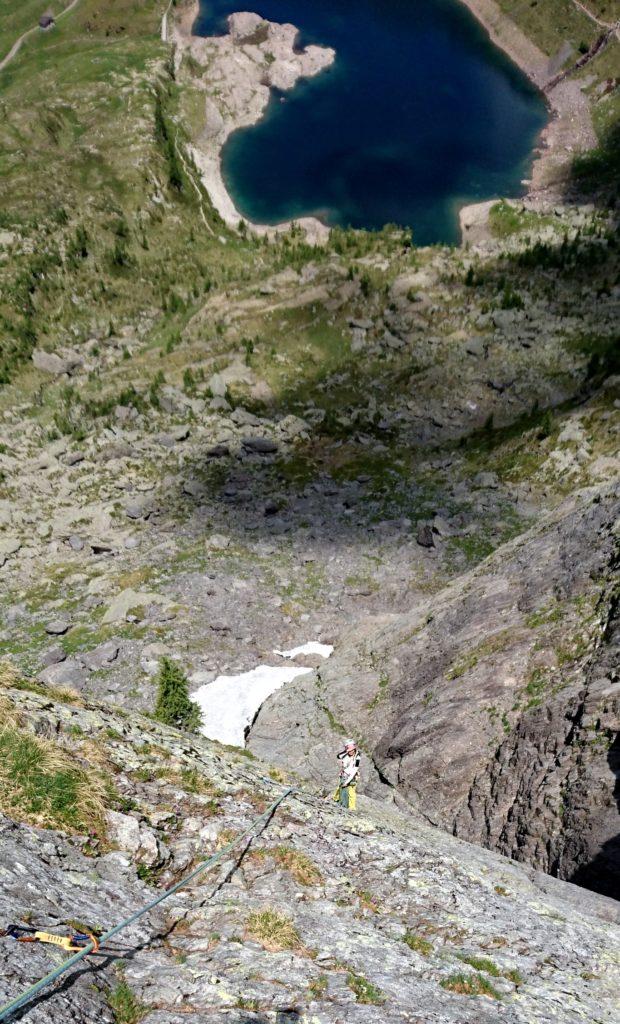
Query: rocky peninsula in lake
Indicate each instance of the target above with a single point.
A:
(238, 71)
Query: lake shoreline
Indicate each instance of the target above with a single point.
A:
(570, 129)
(243, 92)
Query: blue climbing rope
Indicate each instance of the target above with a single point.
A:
(9, 1008)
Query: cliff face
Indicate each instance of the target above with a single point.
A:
(551, 795)
(493, 706)
(322, 916)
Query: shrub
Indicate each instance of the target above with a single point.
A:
(77, 248)
(174, 706)
(546, 425)
(126, 1008)
(163, 134)
(511, 299)
(119, 255)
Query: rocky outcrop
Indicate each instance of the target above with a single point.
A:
(493, 706)
(240, 70)
(550, 797)
(374, 917)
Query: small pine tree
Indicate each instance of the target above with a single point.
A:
(174, 706)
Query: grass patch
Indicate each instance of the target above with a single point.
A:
(384, 682)
(318, 987)
(514, 976)
(273, 930)
(418, 944)
(535, 688)
(470, 985)
(299, 866)
(368, 901)
(480, 963)
(41, 784)
(541, 616)
(364, 990)
(506, 220)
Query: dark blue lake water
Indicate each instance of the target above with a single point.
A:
(418, 115)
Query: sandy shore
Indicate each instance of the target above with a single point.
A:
(240, 70)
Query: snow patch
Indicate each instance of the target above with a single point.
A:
(312, 647)
(229, 703)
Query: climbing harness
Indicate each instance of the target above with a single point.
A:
(93, 944)
(78, 940)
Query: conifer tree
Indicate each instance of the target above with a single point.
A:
(174, 706)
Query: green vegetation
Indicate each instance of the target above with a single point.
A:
(298, 864)
(44, 785)
(599, 170)
(602, 353)
(382, 692)
(542, 616)
(550, 24)
(174, 706)
(470, 985)
(493, 645)
(418, 944)
(125, 1006)
(365, 991)
(318, 987)
(193, 782)
(273, 930)
(480, 963)
(248, 1003)
(536, 687)
(514, 976)
(506, 219)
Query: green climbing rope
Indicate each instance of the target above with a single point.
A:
(9, 1008)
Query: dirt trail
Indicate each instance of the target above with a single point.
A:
(603, 24)
(596, 48)
(17, 45)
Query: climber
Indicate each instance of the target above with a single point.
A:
(346, 794)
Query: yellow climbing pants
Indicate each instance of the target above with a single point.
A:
(346, 796)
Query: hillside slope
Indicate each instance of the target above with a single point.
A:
(215, 446)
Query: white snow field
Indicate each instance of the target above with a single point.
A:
(229, 703)
(312, 647)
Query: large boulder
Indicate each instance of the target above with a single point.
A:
(134, 602)
(57, 365)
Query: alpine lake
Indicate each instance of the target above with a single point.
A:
(419, 115)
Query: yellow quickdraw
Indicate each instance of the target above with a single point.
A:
(64, 941)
